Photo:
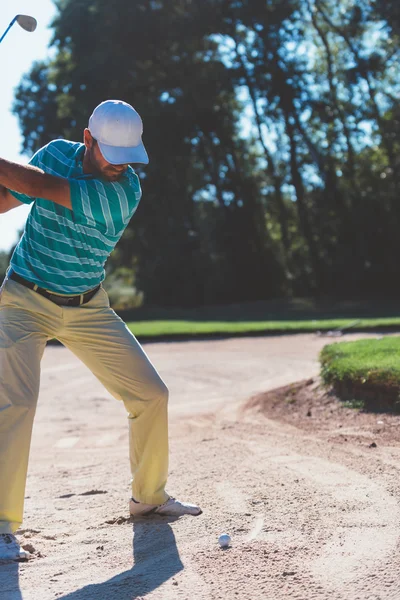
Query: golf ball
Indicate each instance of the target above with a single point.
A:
(224, 540)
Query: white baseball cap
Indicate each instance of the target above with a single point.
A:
(118, 129)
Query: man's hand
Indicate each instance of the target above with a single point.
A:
(7, 200)
(34, 182)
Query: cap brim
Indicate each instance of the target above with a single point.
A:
(124, 156)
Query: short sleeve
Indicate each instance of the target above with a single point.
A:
(34, 161)
(105, 204)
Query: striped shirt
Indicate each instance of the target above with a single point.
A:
(65, 250)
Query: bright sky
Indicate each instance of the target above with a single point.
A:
(18, 51)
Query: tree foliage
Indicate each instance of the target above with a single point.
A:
(273, 132)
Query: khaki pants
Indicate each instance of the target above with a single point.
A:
(102, 341)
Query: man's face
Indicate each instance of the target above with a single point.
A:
(96, 164)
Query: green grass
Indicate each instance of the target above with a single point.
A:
(365, 373)
(157, 328)
(364, 361)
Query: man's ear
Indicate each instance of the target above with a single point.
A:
(87, 138)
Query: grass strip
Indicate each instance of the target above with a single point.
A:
(159, 328)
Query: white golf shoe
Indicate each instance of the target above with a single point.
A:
(10, 549)
(170, 508)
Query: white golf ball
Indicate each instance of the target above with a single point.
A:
(224, 540)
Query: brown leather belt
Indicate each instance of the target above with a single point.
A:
(60, 300)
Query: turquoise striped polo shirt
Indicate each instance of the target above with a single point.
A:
(65, 250)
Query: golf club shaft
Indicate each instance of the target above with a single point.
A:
(8, 29)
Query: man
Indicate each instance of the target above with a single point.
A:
(83, 197)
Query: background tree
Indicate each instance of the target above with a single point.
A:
(272, 129)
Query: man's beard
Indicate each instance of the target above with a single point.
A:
(93, 165)
(108, 173)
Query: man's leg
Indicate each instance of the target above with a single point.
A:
(22, 342)
(95, 334)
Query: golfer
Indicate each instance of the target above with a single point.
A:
(83, 197)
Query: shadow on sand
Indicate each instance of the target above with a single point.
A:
(156, 559)
(9, 582)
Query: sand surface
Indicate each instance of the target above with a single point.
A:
(310, 517)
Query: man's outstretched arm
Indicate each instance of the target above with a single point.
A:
(33, 182)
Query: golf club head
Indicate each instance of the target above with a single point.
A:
(26, 22)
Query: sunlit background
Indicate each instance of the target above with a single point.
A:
(272, 128)
(18, 51)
